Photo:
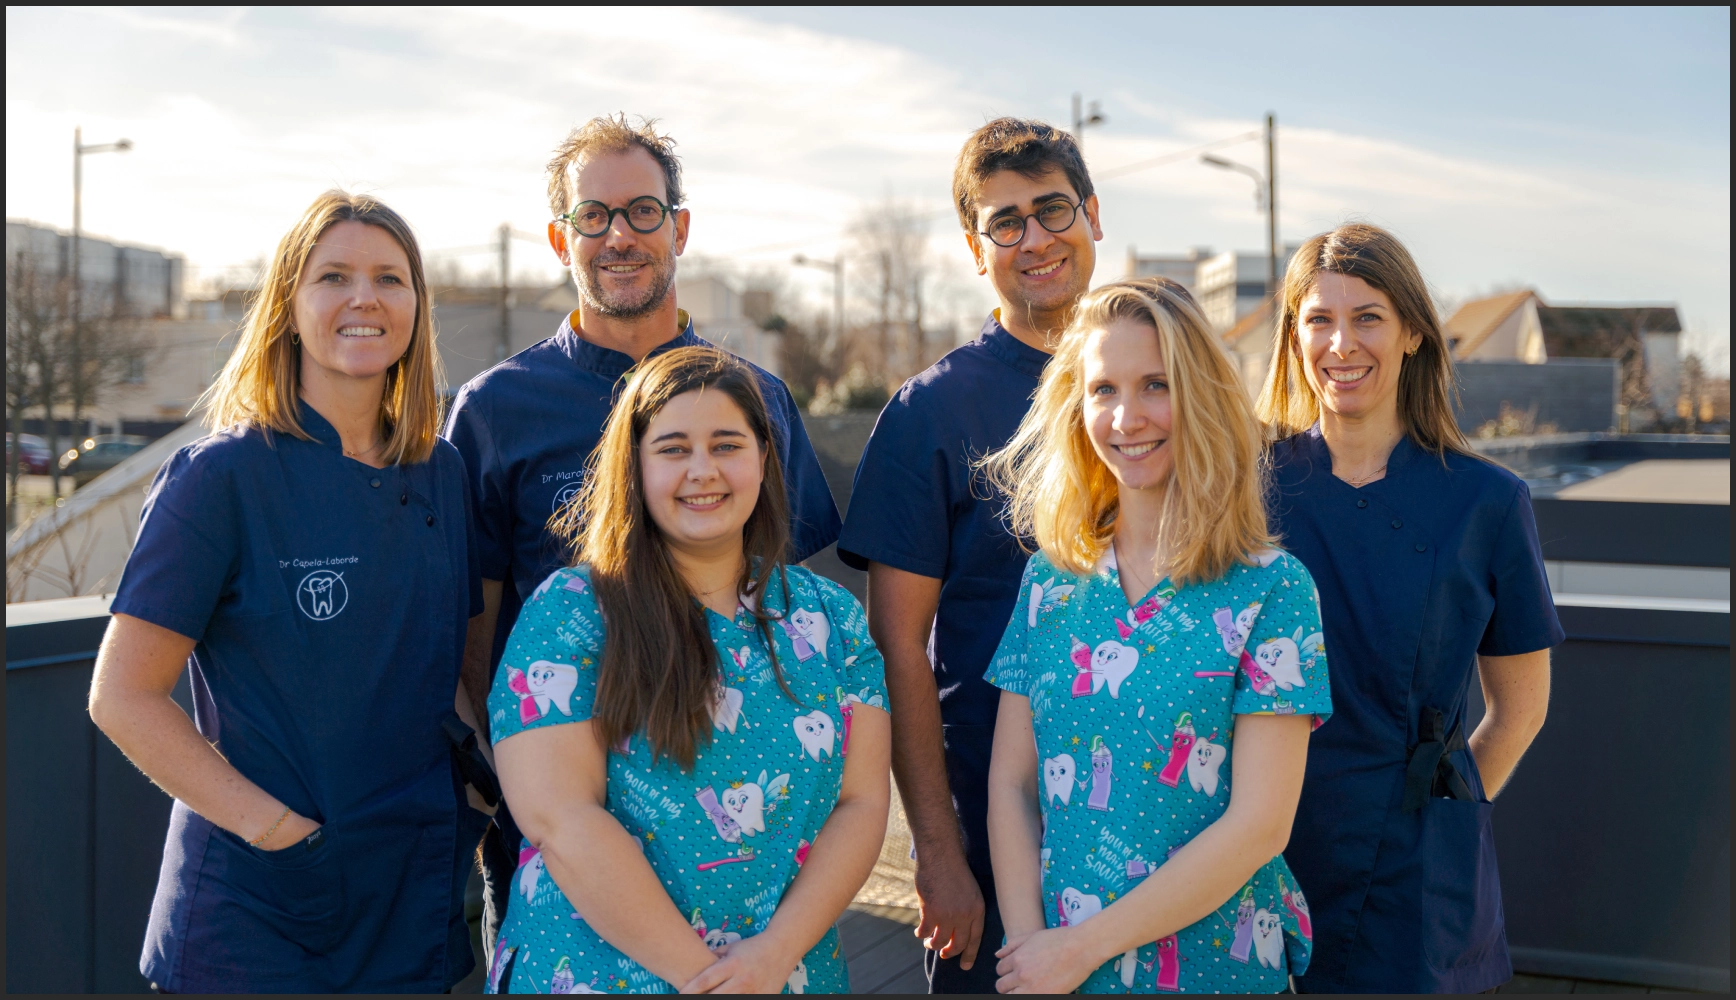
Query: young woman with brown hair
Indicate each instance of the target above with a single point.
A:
(1160, 676)
(1430, 575)
(309, 565)
(689, 732)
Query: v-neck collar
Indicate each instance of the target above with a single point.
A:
(1018, 355)
(1150, 602)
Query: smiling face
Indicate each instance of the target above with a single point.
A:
(701, 467)
(1352, 344)
(1127, 403)
(355, 306)
(1045, 273)
(623, 273)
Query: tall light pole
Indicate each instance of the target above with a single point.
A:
(1265, 195)
(79, 149)
(836, 267)
(1083, 119)
(505, 251)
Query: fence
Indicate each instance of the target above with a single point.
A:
(1614, 835)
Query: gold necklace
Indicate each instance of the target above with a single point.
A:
(1365, 480)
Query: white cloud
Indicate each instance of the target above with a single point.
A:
(786, 133)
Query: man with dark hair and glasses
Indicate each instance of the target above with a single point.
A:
(526, 426)
(943, 570)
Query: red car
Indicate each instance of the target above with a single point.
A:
(34, 456)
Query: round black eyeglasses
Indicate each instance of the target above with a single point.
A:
(644, 214)
(1055, 216)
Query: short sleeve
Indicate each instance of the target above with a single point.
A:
(1282, 666)
(491, 505)
(1524, 619)
(1009, 668)
(548, 674)
(898, 504)
(814, 521)
(188, 546)
(864, 669)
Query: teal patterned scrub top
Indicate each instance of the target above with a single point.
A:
(1134, 709)
(726, 838)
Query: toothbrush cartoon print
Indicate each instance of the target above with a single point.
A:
(1298, 907)
(1244, 941)
(1102, 775)
(1181, 744)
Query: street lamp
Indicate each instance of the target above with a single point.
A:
(1084, 119)
(836, 267)
(1265, 195)
(79, 149)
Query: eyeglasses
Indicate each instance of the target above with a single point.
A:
(644, 214)
(1055, 216)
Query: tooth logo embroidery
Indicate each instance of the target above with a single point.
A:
(322, 595)
(565, 495)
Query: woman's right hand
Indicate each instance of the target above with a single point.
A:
(293, 830)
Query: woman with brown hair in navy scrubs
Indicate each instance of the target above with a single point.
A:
(1430, 576)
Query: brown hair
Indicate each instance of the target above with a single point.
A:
(1063, 495)
(607, 134)
(259, 384)
(1426, 384)
(659, 667)
(1028, 148)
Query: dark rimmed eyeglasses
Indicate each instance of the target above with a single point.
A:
(1009, 230)
(644, 214)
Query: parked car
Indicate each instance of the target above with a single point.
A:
(95, 456)
(34, 457)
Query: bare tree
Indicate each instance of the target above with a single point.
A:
(895, 272)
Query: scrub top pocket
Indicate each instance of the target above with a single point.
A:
(298, 891)
(1461, 901)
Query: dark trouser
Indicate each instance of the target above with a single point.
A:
(497, 856)
(967, 770)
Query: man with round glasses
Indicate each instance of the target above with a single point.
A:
(943, 571)
(526, 426)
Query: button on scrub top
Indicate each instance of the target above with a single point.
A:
(725, 838)
(1134, 711)
(526, 427)
(1419, 573)
(329, 602)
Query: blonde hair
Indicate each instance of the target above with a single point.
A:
(1063, 495)
(1426, 384)
(612, 134)
(259, 384)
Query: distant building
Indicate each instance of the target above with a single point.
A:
(134, 281)
(1521, 326)
(1232, 284)
(1183, 268)
(722, 315)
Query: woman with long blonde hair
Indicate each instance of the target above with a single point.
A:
(1430, 575)
(1160, 676)
(309, 566)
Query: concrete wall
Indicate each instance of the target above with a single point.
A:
(1574, 394)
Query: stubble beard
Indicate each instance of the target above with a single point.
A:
(590, 285)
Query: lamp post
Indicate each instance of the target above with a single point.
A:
(836, 267)
(1083, 119)
(79, 149)
(1265, 194)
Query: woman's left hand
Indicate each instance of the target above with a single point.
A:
(1049, 961)
(751, 965)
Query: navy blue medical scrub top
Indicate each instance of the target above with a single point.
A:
(1419, 573)
(917, 506)
(329, 600)
(527, 426)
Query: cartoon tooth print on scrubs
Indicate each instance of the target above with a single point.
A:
(1045, 597)
(543, 686)
(724, 838)
(1058, 777)
(1155, 773)
(808, 632)
(322, 595)
(814, 730)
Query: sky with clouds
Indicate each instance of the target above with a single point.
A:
(1585, 153)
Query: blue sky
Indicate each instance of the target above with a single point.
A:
(1581, 152)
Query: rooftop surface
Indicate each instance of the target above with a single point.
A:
(1659, 480)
